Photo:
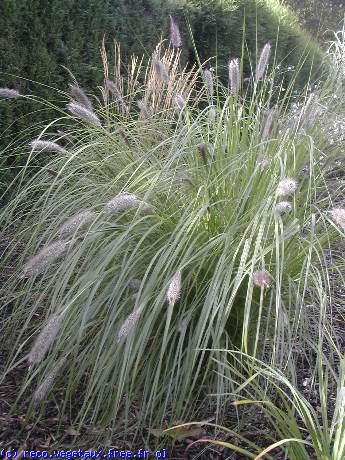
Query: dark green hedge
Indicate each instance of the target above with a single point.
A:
(39, 37)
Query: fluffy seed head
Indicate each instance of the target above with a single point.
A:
(286, 186)
(134, 284)
(268, 123)
(208, 77)
(44, 340)
(263, 62)
(122, 202)
(180, 101)
(161, 69)
(282, 207)
(44, 258)
(211, 115)
(266, 162)
(234, 75)
(43, 389)
(175, 35)
(338, 215)
(174, 289)
(79, 95)
(129, 324)
(262, 279)
(113, 88)
(145, 112)
(84, 114)
(8, 93)
(38, 146)
(77, 221)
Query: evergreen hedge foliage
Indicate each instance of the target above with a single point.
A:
(38, 38)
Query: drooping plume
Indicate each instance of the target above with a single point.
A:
(145, 112)
(160, 69)
(84, 114)
(129, 324)
(234, 76)
(122, 202)
(175, 35)
(263, 62)
(38, 145)
(77, 221)
(268, 123)
(44, 340)
(44, 258)
(8, 93)
(45, 386)
(79, 95)
(208, 77)
(180, 101)
(174, 289)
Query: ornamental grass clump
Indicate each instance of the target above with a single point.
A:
(180, 210)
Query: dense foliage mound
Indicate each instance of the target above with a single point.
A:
(173, 218)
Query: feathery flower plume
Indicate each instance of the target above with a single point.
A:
(84, 114)
(8, 93)
(174, 289)
(338, 215)
(77, 221)
(286, 186)
(175, 35)
(211, 115)
(39, 145)
(234, 75)
(129, 324)
(43, 389)
(208, 77)
(122, 202)
(266, 162)
(268, 123)
(44, 258)
(282, 207)
(79, 95)
(134, 284)
(180, 101)
(113, 88)
(203, 152)
(145, 208)
(262, 279)
(45, 339)
(160, 69)
(145, 112)
(263, 62)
